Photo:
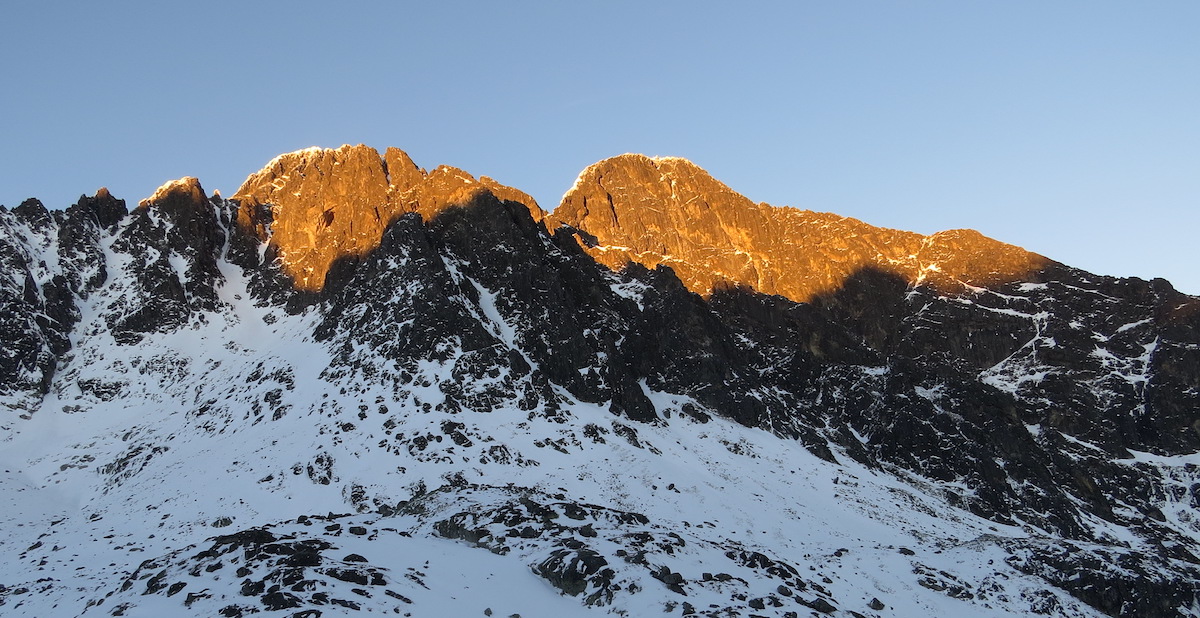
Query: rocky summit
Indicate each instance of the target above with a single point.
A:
(323, 205)
(669, 211)
(359, 387)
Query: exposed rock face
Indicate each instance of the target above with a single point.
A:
(327, 204)
(52, 260)
(176, 239)
(669, 211)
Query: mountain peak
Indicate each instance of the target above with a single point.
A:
(329, 203)
(670, 211)
(187, 188)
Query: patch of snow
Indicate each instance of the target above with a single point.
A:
(1132, 325)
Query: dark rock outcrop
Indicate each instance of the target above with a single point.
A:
(54, 260)
(174, 239)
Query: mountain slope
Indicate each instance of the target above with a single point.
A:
(469, 412)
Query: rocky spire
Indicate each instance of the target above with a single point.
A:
(326, 204)
(670, 211)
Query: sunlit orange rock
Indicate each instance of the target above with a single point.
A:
(325, 204)
(669, 211)
(185, 190)
(331, 203)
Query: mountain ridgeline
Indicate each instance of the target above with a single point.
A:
(1054, 412)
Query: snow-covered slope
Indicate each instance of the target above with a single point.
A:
(479, 509)
(477, 419)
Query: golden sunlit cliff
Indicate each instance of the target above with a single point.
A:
(325, 204)
(670, 211)
(330, 203)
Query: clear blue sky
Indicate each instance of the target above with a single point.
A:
(1070, 128)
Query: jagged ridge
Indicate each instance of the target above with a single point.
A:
(318, 205)
(669, 211)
